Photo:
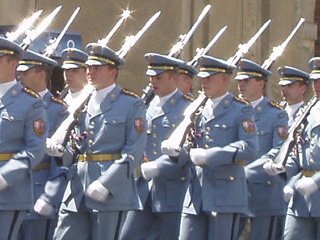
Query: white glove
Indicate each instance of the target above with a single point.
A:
(149, 170)
(306, 186)
(287, 193)
(3, 183)
(43, 208)
(272, 169)
(54, 149)
(198, 156)
(169, 149)
(97, 191)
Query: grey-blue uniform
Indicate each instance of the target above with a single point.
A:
(48, 171)
(303, 215)
(109, 142)
(162, 196)
(217, 191)
(265, 196)
(23, 131)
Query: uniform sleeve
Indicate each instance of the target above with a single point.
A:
(35, 134)
(132, 151)
(242, 150)
(280, 130)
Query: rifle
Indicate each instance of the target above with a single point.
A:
(32, 35)
(283, 153)
(148, 93)
(277, 51)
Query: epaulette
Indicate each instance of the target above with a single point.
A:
(130, 93)
(189, 98)
(276, 105)
(242, 100)
(58, 100)
(31, 92)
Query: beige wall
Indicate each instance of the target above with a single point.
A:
(243, 18)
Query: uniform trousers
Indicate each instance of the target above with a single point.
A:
(10, 222)
(209, 226)
(298, 228)
(35, 229)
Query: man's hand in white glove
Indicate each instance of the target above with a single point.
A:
(198, 156)
(306, 186)
(97, 191)
(169, 149)
(43, 208)
(54, 149)
(3, 183)
(272, 169)
(149, 170)
(288, 193)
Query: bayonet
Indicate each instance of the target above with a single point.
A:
(177, 48)
(125, 15)
(277, 51)
(50, 50)
(244, 48)
(23, 27)
(32, 35)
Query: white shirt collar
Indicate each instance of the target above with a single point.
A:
(256, 102)
(215, 101)
(4, 87)
(160, 101)
(291, 109)
(43, 93)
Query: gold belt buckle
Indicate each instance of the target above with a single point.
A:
(88, 157)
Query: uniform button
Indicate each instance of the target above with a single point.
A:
(313, 134)
(224, 126)
(92, 123)
(231, 178)
(261, 132)
(173, 125)
(91, 133)
(182, 178)
(155, 152)
(154, 135)
(269, 182)
(11, 117)
(311, 152)
(206, 146)
(154, 126)
(154, 144)
(208, 129)
(114, 121)
(207, 138)
(90, 141)
(311, 161)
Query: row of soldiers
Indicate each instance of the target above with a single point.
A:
(206, 189)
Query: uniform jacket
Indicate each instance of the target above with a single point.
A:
(118, 128)
(230, 138)
(23, 130)
(265, 191)
(168, 188)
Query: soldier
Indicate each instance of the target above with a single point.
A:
(35, 72)
(265, 196)
(108, 140)
(74, 73)
(225, 138)
(294, 85)
(23, 131)
(162, 184)
(186, 75)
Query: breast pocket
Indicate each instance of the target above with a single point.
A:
(12, 126)
(223, 130)
(114, 127)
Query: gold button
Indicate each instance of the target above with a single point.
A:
(206, 146)
(114, 121)
(311, 152)
(90, 141)
(269, 182)
(208, 129)
(154, 126)
(224, 126)
(226, 101)
(231, 178)
(173, 125)
(14, 92)
(313, 134)
(261, 132)
(172, 101)
(154, 135)
(207, 138)
(182, 178)
(311, 161)
(259, 108)
(11, 117)
(154, 144)
(113, 96)
(155, 152)
(91, 133)
(92, 123)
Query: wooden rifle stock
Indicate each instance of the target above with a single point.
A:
(286, 147)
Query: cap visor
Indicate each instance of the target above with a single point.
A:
(23, 68)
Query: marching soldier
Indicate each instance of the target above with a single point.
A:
(74, 73)
(186, 75)
(265, 196)
(294, 85)
(302, 166)
(35, 72)
(108, 141)
(225, 138)
(162, 185)
(23, 131)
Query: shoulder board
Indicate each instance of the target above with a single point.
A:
(31, 92)
(58, 100)
(276, 105)
(238, 99)
(189, 98)
(130, 93)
